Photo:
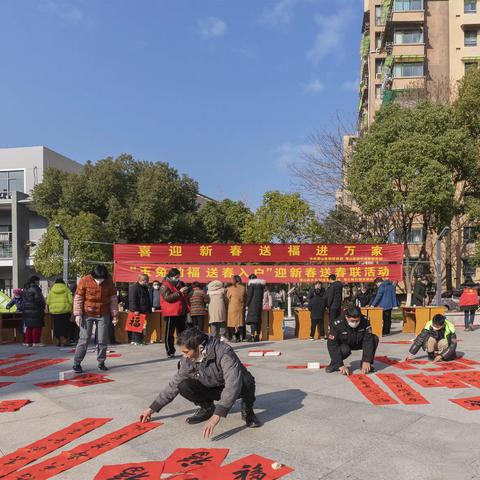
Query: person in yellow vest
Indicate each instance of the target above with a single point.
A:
(438, 338)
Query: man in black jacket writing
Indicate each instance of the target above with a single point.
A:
(352, 331)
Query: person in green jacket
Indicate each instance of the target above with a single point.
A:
(60, 305)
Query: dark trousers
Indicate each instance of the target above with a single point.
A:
(197, 321)
(387, 322)
(347, 350)
(333, 314)
(173, 324)
(203, 396)
(469, 317)
(317, 322)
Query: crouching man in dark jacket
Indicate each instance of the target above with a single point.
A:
(352, 331)
(438, 338)
(209, 370)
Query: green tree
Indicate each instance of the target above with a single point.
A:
(467, 104)
(82, 229)
(223, 221)
(409, 166)
(282, 218)
(135, 201)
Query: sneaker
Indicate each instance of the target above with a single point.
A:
(331, 369)
(171, 355)
(39, 345)
(77, 368)
(103, 367)
(201, 415)
(27, 344)
(312, 338)
(223, 339)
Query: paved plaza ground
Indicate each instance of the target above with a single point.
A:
(319, 424)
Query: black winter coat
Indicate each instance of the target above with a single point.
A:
(356, 338)
(139, 298)
(419, 292)
(363, 299)
(33, 306)
(334, 295)
(255, 291)
(317, 303)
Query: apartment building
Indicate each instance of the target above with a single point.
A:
(409, 44)
(20, 227)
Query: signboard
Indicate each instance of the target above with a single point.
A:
(256, 253)
(128, 272)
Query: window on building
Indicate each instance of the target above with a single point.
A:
(378, 39)
(378, 15)
(379, 66)
(470, 6)
(408, 36)
(407, 5)
(470, 65)
(469, 234)
(415, 235)
(407, 69)
(470, 37)
(12, 181)
(378, 92)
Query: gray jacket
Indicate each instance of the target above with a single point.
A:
(219, 368)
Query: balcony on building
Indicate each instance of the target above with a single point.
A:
(417, 49)
(407, 11)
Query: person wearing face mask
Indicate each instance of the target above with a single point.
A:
(208, 371)
(174, 303)
(155, 296)
(139, 302)
(95, 302)
(317, 304)
(352, 331)
(438, 338)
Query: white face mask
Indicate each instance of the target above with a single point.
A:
(99, 280)
(156, 287)
(353, 324)
(437, 328)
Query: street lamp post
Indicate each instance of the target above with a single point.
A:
(439, 265)
(66, 259)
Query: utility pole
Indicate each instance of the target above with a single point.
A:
(439, 265)
(66, 253)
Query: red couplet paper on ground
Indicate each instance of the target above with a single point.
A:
(395, 363)
(472, 403)
(247, 364)
(52, 384)
(23, 456)
(6, 384)
(82, 453)
(135, 323)
(144, 470)
(427, 381)
(295, 367)
(114, 355)
(467, 361)
(250, 468)
(28, 367)
(87, 379)
(450, 381)
(448, 366)
(402, 390)
(417, 362)
(371, 390)
(471, 377)
(187, 459)
(12, 405)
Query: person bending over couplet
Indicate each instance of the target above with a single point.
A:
(352, 331)
(208, 370)
(438, 338)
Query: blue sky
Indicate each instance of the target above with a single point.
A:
(226, 91)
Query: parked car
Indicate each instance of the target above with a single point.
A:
(451, 299)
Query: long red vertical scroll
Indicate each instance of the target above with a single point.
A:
(402, 390)
(371, 390)
(23, 456)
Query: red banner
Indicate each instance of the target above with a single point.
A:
(271, 273)
(256, 253)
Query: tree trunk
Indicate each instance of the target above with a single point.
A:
(448, 260)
